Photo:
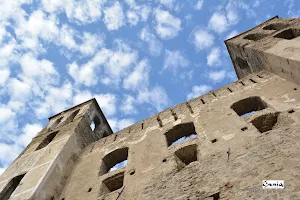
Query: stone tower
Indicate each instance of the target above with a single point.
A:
(235, 137)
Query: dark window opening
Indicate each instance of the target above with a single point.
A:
(265, 122)
(253, 81)
(180, 133)
(55, 124)
(90, 189)
(230, 90)
(275, 26)
(291, 111)
(259, 76)
(47, 140)
(203, 102)
(11, 187)
(186, 155)
(243, 64)
(214, 94)
(73, 115)
(288, 34)
(243, 84)
(255, 36)
(214, 196)
(244, 129)
(113, 183)
(114, 160)
(248, 106)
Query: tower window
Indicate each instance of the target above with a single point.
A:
(114, 160)
(11, 187)
(47, 140)
(180, 133)
(73, 115)
(275, 26)
(243, 64)
(95, 123)
(113, 183)
(265, 122)
(254, 36)
(55, 123)
(288, 34)
(249, 106)
(186, 155)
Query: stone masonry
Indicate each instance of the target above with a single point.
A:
(243, 133)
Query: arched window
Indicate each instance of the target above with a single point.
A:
(288, 34)
(11, 187)
(180, 133)
(254, 36)
(73, 115)
(275, 26)
(55, 124)
(248, 106)
(114, 160)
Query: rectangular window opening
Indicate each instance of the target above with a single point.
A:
(180, 133)
(265, 122)
(11, 187)
(187, 154)
(113, 183)
(288, 34)
(249, 106)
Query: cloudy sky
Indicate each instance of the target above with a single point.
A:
(136, 57)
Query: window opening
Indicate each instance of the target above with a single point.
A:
(243, 64)
(114, 160)
(255, 36)
(73, 115)
(288, 34)
(186, 155)
(47, 140)
(113, 183)
(214, 196)
(248, 106)
(95, 123)
(55, 124)
(11, 187)
(265, 122)
(275, 26)
(180, 133)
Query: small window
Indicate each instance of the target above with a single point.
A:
(243, 64)
(186, 155)
(275, 26)
(249, 106)
(288, 34)
(11, 187)
(112, 183)
(180, 133)
(114, 160)
(265, 122)
(95, 123)
(255, 36)
(55, 123)
(214, 196)
(47, 140)
(73, 115)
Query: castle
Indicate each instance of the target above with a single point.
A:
(238, 136)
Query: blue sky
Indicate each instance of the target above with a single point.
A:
(135, 57)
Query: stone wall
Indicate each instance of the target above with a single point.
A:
(228, 159)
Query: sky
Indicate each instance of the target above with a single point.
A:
(136, 57)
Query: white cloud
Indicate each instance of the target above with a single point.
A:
(156, 96)
(119, 124)
(29, 131)
(6, 114)
(4, 75)
(218, 22)
(217, 76)
(67, 37)
(19, 90)
(114, 17)
(231, 34)
(139, 77)
(132, 18)
(167, 26)
(168, 3)
(213, 58)
(202, 39)
(127, 106)
(174, 60)
(107, 103)
(81, 11)
(56, 100)
(8, 152)
(90, 43)
(155, 45)
(199, 4)
(82, 96)
(198, 90)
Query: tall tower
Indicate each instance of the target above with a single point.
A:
(42, 168)
(273, 46)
